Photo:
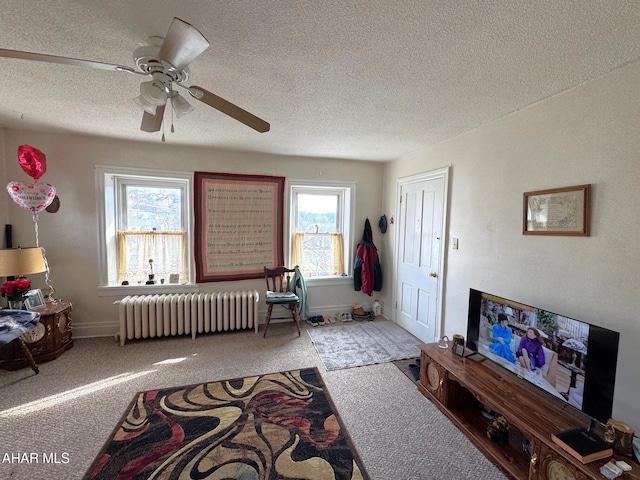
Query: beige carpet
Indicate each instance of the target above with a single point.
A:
(64, 414)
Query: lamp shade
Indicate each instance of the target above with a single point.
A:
(153, 92)
(180, 105)
(150, 108)
(21, 261)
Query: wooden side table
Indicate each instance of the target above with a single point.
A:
(47, 341)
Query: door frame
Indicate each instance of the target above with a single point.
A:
(442, 173)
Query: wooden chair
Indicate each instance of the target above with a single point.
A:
(278, 282)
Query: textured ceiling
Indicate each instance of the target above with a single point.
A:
(334, 78)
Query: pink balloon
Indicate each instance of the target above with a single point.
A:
(32, 161)
(34, 197)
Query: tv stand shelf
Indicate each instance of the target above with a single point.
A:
(458, 385)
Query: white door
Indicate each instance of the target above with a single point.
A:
(422, 214)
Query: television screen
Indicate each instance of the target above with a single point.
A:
(568, 358)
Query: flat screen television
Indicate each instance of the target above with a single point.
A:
(576, 361)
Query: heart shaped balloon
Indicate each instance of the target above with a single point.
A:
(34, 197)
(32, 161)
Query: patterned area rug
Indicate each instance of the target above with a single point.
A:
(355, 345)
(280, 425)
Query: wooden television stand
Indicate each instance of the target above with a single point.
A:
(458, 385)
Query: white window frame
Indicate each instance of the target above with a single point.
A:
(108, 180)
(346, 215)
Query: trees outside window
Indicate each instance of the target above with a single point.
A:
(146, 217)
(320, 224)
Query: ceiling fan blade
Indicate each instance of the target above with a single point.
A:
(183, 44)
(152, 123)
(230, 109)
(41, 57)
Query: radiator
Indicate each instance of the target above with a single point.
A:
(149, 316)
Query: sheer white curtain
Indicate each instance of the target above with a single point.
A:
(168, 250)
(296, 250)
(337, 247)
(333, 255)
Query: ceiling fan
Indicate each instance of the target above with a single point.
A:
(166, 60)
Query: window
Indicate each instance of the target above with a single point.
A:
(320, 228)
(145, 226)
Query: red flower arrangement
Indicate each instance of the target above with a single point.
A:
(15, 289)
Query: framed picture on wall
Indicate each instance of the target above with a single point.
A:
(557, 211)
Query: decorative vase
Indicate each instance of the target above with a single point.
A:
(16, 304)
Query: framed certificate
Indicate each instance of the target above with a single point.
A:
(557, 211)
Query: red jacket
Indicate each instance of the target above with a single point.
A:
(367, 273)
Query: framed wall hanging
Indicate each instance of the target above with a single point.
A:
(239, 225)
(557, 211)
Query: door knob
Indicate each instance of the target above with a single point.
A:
(433, 274)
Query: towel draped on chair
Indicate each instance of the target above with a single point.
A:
(299, 287)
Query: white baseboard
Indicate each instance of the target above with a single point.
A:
(95, 329)
(110, 329)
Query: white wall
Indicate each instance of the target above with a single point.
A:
(70, 236)
(590, 134)
(4, 199)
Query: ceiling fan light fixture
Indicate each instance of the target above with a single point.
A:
(148, 107)
(153, 92)
(180, 105)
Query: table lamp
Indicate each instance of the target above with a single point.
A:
(21, 261)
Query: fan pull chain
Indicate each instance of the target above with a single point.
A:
(172, 110)
(163, 139)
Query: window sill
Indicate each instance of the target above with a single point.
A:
(124, 290)
(328, 281)
(167, 288)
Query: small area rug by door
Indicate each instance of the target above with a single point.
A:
(355, 345)
(280, 425)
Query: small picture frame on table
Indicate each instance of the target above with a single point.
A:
(458, 344)
(34, 300)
